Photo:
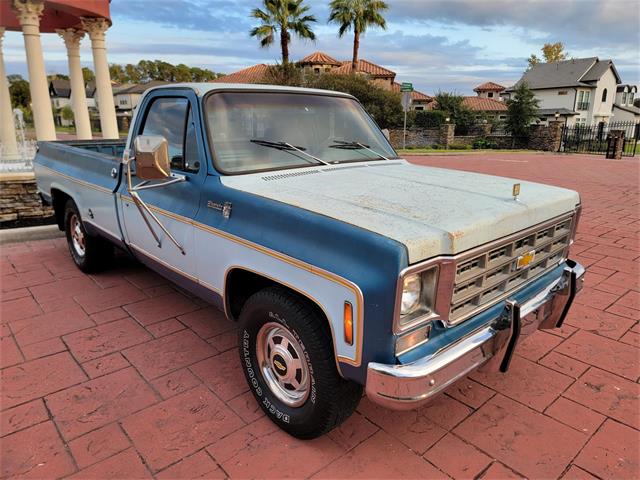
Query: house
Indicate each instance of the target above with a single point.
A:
(490, 90)
(60, 94)
(486, 107)
(623, 108)
(580, 91)
(317, 63)
(126, 97)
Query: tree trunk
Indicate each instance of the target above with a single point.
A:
(356, 47)
(284, 44)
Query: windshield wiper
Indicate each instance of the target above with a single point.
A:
(276, 145)
(356, 146)
(287, 147)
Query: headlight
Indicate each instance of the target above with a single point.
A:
(418, 295)
(411, 290)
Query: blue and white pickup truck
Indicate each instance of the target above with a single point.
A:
(345, 266)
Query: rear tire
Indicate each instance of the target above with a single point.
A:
(89, 253)
(288, 361)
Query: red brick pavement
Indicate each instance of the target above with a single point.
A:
(122, 375)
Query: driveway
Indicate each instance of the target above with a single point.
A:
(121, 375)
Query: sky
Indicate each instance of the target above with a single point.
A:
(438, 45)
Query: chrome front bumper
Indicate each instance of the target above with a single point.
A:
(402, 387)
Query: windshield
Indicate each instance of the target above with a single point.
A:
(257, 131)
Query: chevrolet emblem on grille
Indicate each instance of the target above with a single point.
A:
(525, 259)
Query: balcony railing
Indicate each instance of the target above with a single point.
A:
(583, 106)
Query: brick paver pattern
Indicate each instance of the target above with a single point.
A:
(122, 375)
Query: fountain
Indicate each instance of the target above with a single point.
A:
(22, 161)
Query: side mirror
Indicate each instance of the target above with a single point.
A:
(152, 157)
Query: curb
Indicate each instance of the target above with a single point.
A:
(43, 232)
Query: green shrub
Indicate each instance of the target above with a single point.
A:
(483, 142)
(459, 146)
(428, 118)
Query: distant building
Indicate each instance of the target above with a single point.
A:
(126, 97)
(490, 107)
(320, 62)
(60, 94)
(623, 108)
(579, 91)
(490, 90)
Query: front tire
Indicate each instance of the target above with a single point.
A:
(289, 364)
(89, 253)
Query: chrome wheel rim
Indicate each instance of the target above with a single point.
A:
(282, 363)
(77, 236)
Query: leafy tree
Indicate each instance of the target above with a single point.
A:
(131, 73)
(116, 72)
(88, 75)
(522, 109)
(383, 105)
(358, 15)
(19, 92)
(57, 76)
(551, 52)
(459, 114)
(66, 113)
(283, 17)
(289, 74)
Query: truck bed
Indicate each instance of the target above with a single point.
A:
(83, 170)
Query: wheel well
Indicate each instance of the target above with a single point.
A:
(59, 201)
(241, 284)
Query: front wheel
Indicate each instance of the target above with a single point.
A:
(89, 253)
(289, 364)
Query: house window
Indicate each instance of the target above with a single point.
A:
(583, 100)
(630, 98)
(562, 92)
(624, 98)
(604, 95)
(317, 70)
(490, 94)
(502, 117)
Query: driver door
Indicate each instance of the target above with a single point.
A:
(172, 115)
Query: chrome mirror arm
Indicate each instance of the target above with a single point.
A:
(143, 207)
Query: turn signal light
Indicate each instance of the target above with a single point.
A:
(348, 323)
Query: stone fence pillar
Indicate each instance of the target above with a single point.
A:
(446, 134)
(615, 142)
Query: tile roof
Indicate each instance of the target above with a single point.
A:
(61, 88)
(484, 104)
(319, 58)
(364, 66)
(253, 74)
(577, 72)
(489, 87)
(415, 95)
(141, 87)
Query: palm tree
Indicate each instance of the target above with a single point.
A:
(359, 15)
(282, 16)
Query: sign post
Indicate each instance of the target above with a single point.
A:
(406, 89)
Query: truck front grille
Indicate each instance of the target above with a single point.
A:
(488, 275)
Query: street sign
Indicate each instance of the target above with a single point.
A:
(406, 100)
(406, 87)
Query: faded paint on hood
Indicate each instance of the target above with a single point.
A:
(432, 211)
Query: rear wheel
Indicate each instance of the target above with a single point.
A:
(289, 363)
(89, 253)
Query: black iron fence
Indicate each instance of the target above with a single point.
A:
(595, 138)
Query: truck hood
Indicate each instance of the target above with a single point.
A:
(432, 211)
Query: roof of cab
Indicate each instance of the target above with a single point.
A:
(203, 88)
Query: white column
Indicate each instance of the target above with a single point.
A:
(96, 28)
(7, 127)
(72, 37)
(29, 13)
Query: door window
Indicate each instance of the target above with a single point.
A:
(170, 117)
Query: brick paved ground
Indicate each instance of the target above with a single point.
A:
(120, 375)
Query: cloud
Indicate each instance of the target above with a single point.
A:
(578, 23)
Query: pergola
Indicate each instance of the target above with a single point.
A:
(70, 19)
